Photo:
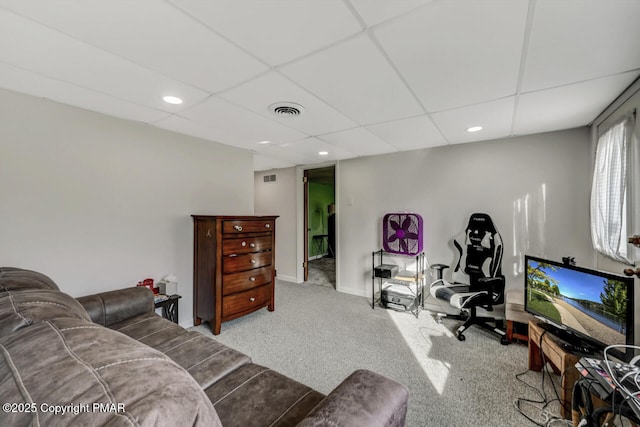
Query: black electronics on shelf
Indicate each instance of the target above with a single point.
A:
(396, 288)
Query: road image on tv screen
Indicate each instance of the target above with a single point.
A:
(592, 305)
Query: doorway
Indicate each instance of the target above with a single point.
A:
(320, 235)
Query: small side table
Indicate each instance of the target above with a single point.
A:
(169, 307)
(562, 361)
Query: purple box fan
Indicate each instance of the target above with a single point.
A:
(402, 233)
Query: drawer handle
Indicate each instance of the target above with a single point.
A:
(252, 279)
(253, 245)
(253, 261)
(267, 226)
(252, 299)
(244, 244)
(237, 227)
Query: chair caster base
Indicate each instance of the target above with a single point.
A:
(460, 337)
(504, 340)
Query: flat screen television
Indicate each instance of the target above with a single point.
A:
(587, 308)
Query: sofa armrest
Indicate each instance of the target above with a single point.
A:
(108, 308)
(364, 398)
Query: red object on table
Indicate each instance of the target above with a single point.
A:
(148, 283)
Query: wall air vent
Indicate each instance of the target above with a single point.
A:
(286, 109)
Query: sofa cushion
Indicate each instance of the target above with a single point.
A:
(270, 398)
(206, 359)
(23, 307)
(80, 364)
(13, 278)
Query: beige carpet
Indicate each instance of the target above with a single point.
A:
(322, 271)
(318, 337)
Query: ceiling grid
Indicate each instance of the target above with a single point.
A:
(372, 77)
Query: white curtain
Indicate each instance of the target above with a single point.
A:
(609, 191)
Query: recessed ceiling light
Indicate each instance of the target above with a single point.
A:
(172, 100)
(264, 142)
(323, 153)
(474, 128)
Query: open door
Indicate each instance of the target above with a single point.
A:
(305, 264)
(319, 226)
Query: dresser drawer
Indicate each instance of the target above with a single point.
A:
(247, 226)
(246, 245)
(238, 282)
(232, 264)
(246, 301)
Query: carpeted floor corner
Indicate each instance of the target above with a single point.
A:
(322, 271)
(319, 336)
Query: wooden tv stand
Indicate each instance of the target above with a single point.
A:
(562, 361)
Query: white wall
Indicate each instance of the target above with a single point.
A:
(279, 198)
(98, 203)
(536, 189)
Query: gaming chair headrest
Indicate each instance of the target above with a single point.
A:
(482, 223)
(481, 234)
(484, 247)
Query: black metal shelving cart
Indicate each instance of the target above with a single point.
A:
(395, 288)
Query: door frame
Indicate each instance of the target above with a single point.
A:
(302, 247)
(305, 256)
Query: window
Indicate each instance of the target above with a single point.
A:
(610, 191)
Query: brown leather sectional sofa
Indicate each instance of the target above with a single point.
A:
(109, 359)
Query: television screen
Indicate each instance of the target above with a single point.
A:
(594, 306)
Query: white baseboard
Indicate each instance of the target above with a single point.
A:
(353, 291)
(286, 278)
(187, 324)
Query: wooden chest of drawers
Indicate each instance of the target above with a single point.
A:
(233, 267)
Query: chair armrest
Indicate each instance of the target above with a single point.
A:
(108, 308)
(439, 268)
(364, 398)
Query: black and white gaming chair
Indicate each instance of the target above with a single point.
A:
(477, 277)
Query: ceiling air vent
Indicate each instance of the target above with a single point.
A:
(286, 109)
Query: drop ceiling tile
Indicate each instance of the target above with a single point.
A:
(409, 134)
(495, 117)
(23, 81)
(151, 33)
(274, 30)
(259, 93)
(577, 40)
(310, 147)
(119, 57)
(375, 12)
(263, 162)
(359, 141)
(287, 155)
(36, 48)
(568, 106)
(458, 53)
(188, 127)
(356, 79)
(234, 125)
